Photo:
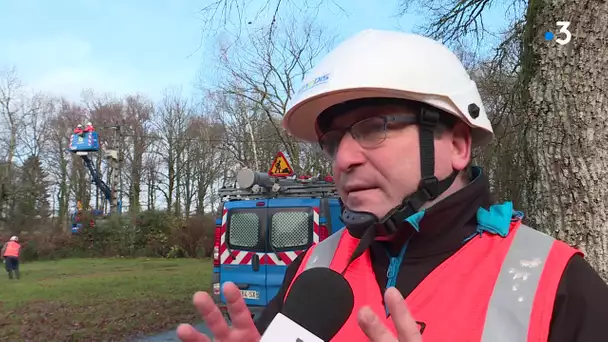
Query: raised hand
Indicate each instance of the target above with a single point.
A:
(242, 330)
(376, 331)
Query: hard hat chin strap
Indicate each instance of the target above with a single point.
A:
(360, 222)
(366, 226)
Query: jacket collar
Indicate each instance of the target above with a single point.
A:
(443, 227)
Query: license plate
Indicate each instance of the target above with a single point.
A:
(249, 294)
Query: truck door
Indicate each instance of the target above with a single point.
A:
(243, 241)
(291, 224)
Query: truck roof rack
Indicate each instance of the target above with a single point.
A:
(258, 185)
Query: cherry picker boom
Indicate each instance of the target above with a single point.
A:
(103, 187)
(82, 144)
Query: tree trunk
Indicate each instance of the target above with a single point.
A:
(568, 135)
(136, 175)
(64, 197)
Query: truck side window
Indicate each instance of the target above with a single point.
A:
(244, 230)
(291, 229)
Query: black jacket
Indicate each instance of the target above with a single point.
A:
(581, 306)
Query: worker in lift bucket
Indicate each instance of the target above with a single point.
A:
(398, 115)
(78, 130)
(10, 255)
(89, 128)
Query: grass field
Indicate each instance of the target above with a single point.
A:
(99, 299)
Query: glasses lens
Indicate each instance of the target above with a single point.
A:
(370, 132)
(330, 141)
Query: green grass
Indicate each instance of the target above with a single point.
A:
(99, 299)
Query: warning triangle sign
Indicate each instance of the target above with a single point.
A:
(280, 166)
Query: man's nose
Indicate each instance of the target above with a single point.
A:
(349, 154)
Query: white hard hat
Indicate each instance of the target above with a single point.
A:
(79, 125)
(388, 64)
(89, 123)
(14, 238)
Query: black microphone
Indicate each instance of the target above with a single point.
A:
(318, 305)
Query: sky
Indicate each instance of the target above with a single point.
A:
(143, 46)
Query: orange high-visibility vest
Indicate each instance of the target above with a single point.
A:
(492, 289)
(12, 249)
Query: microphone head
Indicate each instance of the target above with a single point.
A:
(320, 300)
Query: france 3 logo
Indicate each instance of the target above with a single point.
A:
(565, 34)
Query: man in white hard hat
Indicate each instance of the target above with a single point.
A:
(398, 114)
(10, 254)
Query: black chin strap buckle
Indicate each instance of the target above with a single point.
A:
(430, 186)
(428, 118)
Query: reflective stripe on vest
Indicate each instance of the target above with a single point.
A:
(323, 253)
(510, 306)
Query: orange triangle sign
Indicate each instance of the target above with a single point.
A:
(280, 167)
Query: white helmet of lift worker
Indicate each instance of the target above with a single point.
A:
(388, 64)
(14, 238)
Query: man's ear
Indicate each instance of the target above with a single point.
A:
(461, 145)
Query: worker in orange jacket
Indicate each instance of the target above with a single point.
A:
(89, 128)
(79, 130)
(10, 253)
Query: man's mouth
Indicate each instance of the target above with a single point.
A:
(353, 189)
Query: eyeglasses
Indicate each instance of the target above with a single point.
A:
(368, 133)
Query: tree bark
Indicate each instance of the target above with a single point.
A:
(566, 94)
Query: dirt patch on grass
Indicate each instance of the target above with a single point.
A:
(119, 320)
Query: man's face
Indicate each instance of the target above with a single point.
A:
(376, 179)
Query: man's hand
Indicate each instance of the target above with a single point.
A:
(407, 329)
(243, 329)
